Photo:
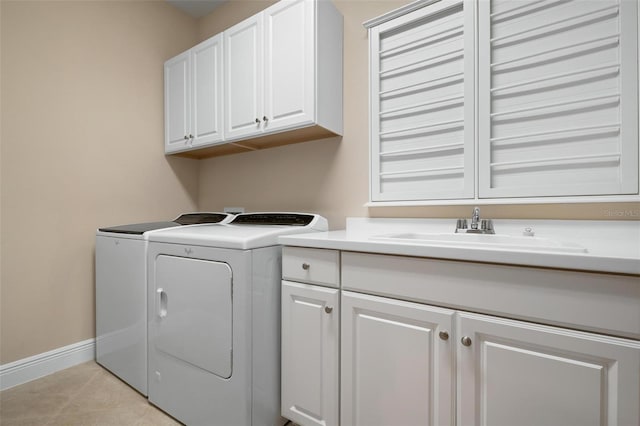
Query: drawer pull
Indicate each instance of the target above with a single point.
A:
(466, 340)
(328, 309)
(444, 335)
(306, 266)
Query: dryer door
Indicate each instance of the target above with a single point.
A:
(193, 310)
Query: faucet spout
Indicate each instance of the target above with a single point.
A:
(475, 218)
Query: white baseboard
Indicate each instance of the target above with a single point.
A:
(27, 369)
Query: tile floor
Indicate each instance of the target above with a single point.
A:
(86, 394)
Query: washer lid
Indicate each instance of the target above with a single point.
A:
(184, 219)
(139, 228)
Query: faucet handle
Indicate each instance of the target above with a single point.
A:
(487, 226)
(461, 224)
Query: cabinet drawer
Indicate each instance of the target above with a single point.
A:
(315, 266)
(602, 303)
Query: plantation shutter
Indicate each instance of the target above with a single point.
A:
(422, 104)
(558, 98)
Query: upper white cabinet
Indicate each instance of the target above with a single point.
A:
(283, 70)
(504, 100)
(177, 103)
(290, 63)
(244, 78)
(193, 97)
(278, 80)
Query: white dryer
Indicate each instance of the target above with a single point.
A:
(214, 319)
(121, 294)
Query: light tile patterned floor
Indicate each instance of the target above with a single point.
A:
(83, 395)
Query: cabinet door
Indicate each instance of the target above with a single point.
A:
(515, 373)
(397, 362)
(310, 326)
(206, 73)
(244, 78)
(289, 64)
(422, 104)
(177, 101)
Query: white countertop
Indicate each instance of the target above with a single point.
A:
(611, 246)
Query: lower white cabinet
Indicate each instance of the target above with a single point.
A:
(310, 327)
(518, 373)
(398, 368)
(397, 362)
(413, 363)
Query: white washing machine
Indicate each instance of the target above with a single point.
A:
(121, 294)
(214, 319)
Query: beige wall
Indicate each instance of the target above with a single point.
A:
(331, 176)
(81, 147)
(82, 131)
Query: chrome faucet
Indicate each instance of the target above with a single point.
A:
(475, 218)
(486, 225)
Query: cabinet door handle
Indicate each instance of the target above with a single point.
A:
(328, 309)
(190, 136)
(265, 119)
(444, 335)
(306, 266)
(466, 340)
(258, 120)
(186, 138)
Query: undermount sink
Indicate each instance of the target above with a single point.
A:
(488, 241)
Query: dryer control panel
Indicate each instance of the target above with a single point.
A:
(287, 219)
